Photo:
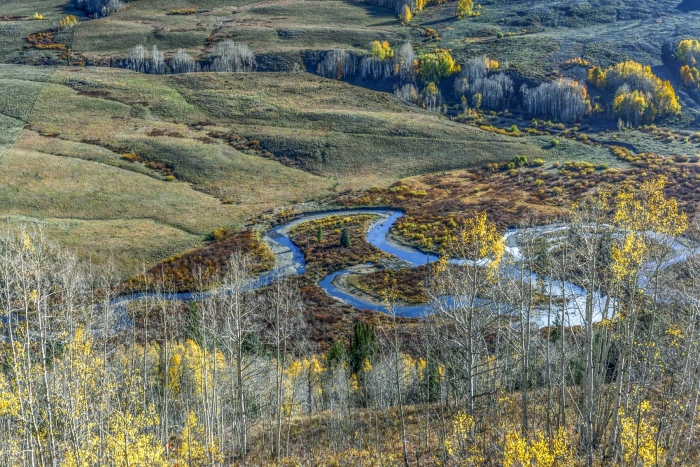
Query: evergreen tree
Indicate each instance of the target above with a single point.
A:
(319, 234)
(336, 354)
(345, 238)
(194, 325)
(363, 345)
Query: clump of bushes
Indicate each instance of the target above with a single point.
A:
(183, 11)
(179, 271)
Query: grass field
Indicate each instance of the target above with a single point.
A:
(79, 123)
(267, 27)
(150, 165)
(129, 245)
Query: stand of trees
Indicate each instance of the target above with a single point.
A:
(564, 99)
(99, 8)
(479, 87)
(688, 53)
(640, 96)
(229, 56)
(226, 56)
(514, 370)
(382, 62)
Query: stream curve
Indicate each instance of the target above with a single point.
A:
(289, 261)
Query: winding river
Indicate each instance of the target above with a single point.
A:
(289, 261)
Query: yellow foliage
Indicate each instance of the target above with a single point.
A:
(431, 89)
(648, 209)
(9, 400)
(406, 14)
(37, 16)
(637, 213)
(420, 4)
(434, 66)
(131, 441)
(175, 373)
(597, 77)
(382, 50)
(688, 49)
(67, 22)
(542, 451)
(27, 242)
(690, 76)
(516, 452)
(631, 106)
(649, 96)
(638, 439)
(479, 241)
(193, 450)
(292, 377)
(628, 259)
(367, 366)
(458, 444)
(465, 8)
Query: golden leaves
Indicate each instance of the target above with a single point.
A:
(542, 451)
(406, 14)
(638, 439)
(382, 50)
(640, 214)
(648, 209)
(480, 240)
(628, 259)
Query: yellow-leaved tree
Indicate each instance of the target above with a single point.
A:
(466, 272)
(406, 14)
(465, 8)
(420, 4)
(638, 439)
(645, 219)
(382, 50)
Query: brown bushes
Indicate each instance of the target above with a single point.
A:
(44, 41)
(183, 271)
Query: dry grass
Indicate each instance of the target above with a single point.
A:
(130, 245)
(43, 185)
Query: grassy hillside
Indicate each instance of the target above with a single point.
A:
(68, 166)
(267, 27)
(106, 144)
(162, 160)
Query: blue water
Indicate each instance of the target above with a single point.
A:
(377, 236)
(410, 311)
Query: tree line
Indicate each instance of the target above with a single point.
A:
(640, 97)
(593, 360)
(99, 8)
(688, 53)
(226, 56)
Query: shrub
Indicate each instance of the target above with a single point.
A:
(131, 157)
(183, 11)
(518, 161)
(219, 234)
